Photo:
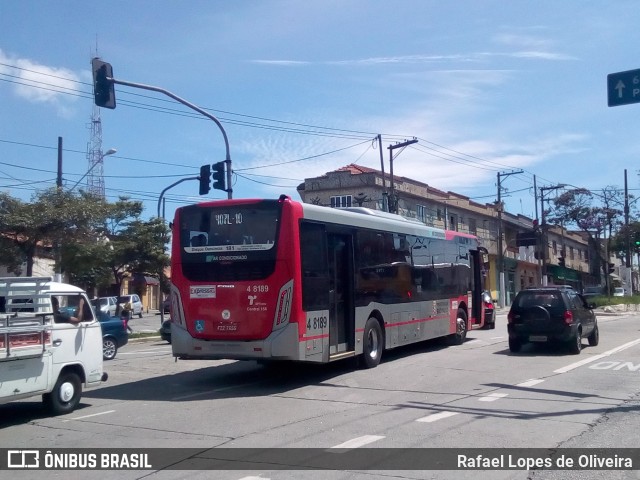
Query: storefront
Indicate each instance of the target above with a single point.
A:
(558, 275)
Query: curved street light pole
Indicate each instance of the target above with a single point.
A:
(169, 187)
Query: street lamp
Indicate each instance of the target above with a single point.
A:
(111, 151)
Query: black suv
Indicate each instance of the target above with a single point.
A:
(551, 314)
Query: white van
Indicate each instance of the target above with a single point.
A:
(50, 342)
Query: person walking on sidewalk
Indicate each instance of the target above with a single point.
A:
(127, 310)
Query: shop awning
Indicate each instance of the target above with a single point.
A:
(144, 280)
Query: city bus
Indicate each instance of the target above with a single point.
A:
(277, 279)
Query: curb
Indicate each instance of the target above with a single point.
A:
(144, 339)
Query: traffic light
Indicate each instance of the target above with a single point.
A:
(561, 261)
(636, 239)
(219, 176)
(612, 267)
(205, 179)
(104, 93)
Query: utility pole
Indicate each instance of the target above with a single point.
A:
(58, 246)
(393, 202)
(543, 229)
(385, 194)
(59, 177)
(502, 285)
(628, 277)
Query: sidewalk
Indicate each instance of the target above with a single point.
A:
(623, 309)
(149, 323)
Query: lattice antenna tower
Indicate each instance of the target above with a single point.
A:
(95, 157)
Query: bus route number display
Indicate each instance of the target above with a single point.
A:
(228, 218)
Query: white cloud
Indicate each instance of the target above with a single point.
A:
(38, 83)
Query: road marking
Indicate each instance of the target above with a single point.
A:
(530, 383)
(613, 365)
(497, 338)
(597, 357)
(359, 441)
(436, 416)
(475, 340)
(89, 416)
(163, 350)
(492, 397)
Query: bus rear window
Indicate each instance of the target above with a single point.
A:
(229, 242)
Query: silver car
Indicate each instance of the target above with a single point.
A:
(134, 300)
(108, 305)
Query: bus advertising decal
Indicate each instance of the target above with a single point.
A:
(202, 291)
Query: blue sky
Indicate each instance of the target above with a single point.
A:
(303, 87)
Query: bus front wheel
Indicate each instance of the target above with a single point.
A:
(373, 343)
(460, 336)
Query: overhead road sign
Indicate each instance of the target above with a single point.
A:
(623, 88)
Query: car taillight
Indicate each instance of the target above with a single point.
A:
(510, 317)
(568, 317)
(124, 322)
(489, 306)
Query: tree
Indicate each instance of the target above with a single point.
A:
(596, 214)
(52, 218)
(99, 242)
(123, 245)
(619, 241)
(138, 247)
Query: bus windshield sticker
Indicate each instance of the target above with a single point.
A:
(228, 248)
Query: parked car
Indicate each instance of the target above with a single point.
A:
(114, 334)
(489, 311)
(595, 291)
(618, 292)
(551, 314)
(136, 303)
(109, 305)
(165, 331)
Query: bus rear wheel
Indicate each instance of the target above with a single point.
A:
(373, 343)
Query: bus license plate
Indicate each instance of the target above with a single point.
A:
(227, 327)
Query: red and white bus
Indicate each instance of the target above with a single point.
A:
(284, 280)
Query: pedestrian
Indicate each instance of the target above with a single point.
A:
(126, 313)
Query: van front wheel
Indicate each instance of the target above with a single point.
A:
(65, 396)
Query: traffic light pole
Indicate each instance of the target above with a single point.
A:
(193, 107)
(169, 187)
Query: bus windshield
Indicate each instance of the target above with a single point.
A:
(215, 238)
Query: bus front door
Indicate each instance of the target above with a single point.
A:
(341, 313)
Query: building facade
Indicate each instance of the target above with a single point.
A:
(566, 258)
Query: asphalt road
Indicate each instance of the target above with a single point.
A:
(478, 395)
